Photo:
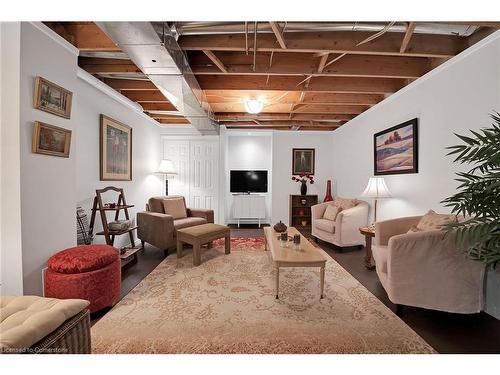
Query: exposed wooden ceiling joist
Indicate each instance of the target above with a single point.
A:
(129, 84)
(216, 61)
(282, 117)
(422, 45)
(287, 83)
(95, 65)
(305, 64)
(158, 106)
(86, 36)
(144, 96)
(408, 34)
(278, 32)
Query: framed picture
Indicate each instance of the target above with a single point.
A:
(396, 149)
(303, 160)
(52, 98)
(115, 150)
(50, 140)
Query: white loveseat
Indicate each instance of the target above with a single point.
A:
(344, 231)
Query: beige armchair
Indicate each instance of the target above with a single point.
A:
(425, 269)
(163, 216)
(344, 231)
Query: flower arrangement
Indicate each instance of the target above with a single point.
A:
(303, 179)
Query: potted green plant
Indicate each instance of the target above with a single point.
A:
(478, 195)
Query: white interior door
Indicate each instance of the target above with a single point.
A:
(204, 160)
(178, 152)
(196, 162)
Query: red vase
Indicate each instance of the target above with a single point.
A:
(328, 196)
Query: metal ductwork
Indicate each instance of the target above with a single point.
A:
(161, 59)
(213, 28)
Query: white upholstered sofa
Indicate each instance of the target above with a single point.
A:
(344, 230)
(426, 269)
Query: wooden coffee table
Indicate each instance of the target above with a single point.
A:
(200, 235)
(307, 256)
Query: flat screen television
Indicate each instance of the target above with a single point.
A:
(248, 182)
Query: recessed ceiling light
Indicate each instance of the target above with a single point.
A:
(254, 105)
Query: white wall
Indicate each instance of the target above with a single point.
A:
(283, 186)
(145, 154)
(11, 274)
(52, 187)
(248, 151)
(48, 192)
(453, 98)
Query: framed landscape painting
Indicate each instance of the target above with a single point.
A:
(396, 149)
(52, 98)
(50, 140)
(302, 161)
(115, 150)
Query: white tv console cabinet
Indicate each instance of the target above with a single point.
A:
(249, 206)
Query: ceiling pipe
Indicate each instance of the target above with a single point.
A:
(161, 59)
(208, 28)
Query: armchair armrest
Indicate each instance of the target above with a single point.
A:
(386, 229)
(156, 229)
(318, 210)
(348, 222)
(206, 214)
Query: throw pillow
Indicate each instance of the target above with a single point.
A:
(331, 212)
(345, 203)
(175, 207)
(413, 229)
(434, 221)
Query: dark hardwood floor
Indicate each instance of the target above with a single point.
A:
(445, 332)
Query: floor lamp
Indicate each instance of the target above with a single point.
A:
(376, 189)
(166, 168)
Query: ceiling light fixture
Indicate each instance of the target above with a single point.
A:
(254, 105)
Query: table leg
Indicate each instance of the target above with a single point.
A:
(227, 244)
(179, 248)
(322, 281)
(196, 253)
(277, 280)
(368, 254)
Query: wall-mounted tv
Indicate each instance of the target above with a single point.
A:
(248, 182)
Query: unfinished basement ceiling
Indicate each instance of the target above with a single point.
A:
(308, 75)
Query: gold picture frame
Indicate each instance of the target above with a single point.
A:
(50, 140)
(115, 150)
(52, 98)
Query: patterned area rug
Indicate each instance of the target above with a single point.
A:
(227, 305)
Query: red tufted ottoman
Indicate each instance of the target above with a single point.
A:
(91, 272)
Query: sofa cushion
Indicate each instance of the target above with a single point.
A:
(26, 320)
(175, 207)
(324, 224)
(331, 212)
(434, 221)
(345, 203)
(188, 222)
(414, 229)
(83, 258)
(155, 204)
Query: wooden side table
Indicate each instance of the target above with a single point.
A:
(369, 233)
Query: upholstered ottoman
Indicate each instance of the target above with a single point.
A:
(90, 272)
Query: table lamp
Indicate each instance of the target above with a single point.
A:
(376, 189)
(166, 168)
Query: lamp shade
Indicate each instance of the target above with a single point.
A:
(376, 188)
(166, 167)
